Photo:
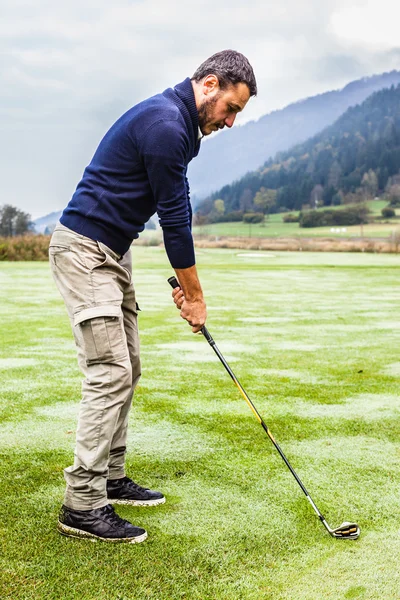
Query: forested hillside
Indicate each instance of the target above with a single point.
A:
(355, 158)
(231, 154)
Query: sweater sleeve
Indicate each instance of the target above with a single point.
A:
(189, 205)
(164, 152)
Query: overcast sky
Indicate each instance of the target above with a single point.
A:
(69, 69)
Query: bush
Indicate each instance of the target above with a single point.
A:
(253, 217)
(234, 216)
(352, 215)
(229, 217)
(312, 218)
(24, 247)
(291, 218)
(388, 212)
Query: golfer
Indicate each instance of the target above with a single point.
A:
(139, 169)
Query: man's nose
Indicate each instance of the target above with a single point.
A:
(229, 121)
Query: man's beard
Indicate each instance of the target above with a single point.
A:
(205, 112)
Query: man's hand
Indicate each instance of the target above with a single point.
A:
(194, 312)
(179, 298)
(189, 299)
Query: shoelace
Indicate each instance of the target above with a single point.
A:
(113, 517)
(135, 487)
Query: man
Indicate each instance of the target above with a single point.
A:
(138, 169)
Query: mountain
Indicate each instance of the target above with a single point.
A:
(233, 153)
(358, 155)
(47, 223)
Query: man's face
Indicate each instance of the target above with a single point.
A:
(220, 107)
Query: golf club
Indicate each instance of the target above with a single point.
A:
(346, 531)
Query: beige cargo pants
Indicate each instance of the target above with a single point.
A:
(96, 285)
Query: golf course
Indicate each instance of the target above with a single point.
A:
(314, 340)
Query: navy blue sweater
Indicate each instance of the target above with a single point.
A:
(138, 169)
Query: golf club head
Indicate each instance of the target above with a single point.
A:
(346, 531)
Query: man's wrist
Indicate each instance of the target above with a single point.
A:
(194, 298)
(190, 284)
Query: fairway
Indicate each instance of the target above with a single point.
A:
(314, 340)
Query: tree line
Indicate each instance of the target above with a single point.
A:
(13, 221)
(356, 158)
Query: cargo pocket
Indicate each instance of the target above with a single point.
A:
(99, 331)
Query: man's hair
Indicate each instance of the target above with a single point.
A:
(230, 67)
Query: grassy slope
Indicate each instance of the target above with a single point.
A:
(314, 340)
(275, 227)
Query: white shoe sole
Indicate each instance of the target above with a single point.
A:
(155, 502)
(85, 535)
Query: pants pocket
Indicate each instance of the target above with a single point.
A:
(100, 332)
(57, 252)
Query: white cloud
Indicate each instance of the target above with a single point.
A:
(43, 57)
(68, 70)
(374, 24)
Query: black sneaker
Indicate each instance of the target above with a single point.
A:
(126, 491)
(99, 524)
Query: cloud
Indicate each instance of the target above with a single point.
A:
(373, 24)
(68, 70)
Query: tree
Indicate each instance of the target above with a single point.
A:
(335, 174)
(51, 227)
(246, 199)
(396, 239)
(337, 199)
(328, 195)
(394, 195)
(369, 184)
(265, 200)
(216, 215)
(219, 206)
(13, 221)
(316, 198)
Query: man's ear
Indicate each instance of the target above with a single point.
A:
(210, 85)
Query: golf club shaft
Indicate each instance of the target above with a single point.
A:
(214, 346)
(174, 283)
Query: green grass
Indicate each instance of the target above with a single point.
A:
(275, 227)
(314, 340)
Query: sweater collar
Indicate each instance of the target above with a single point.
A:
(185, 93)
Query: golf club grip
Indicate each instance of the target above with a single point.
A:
(173, 282)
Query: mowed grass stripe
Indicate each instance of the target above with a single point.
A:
(313, 339)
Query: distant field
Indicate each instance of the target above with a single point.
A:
(314, 339)
(275, 227)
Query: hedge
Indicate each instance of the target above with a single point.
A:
(353, 215)
(24, 247)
